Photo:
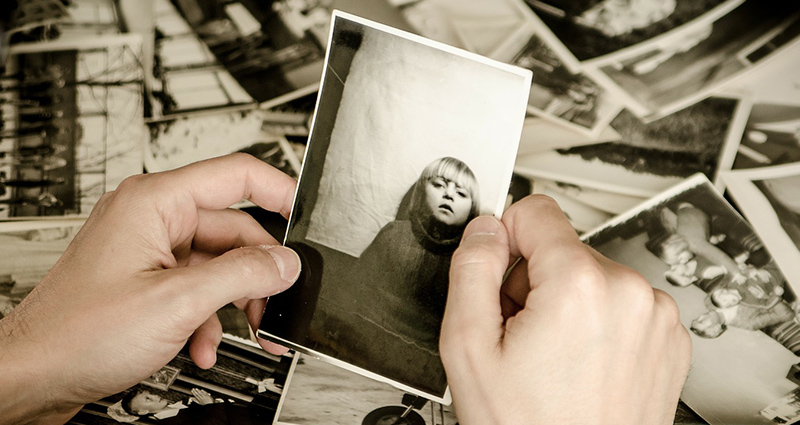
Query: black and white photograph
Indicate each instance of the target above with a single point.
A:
(771, 136)
(668, 76)
(321, 393)
(741, 313)
(243, 387)
(73, 124)
(180, 141)
(540, 135)
(594, 29)
(561, 94)
(768, 196)
(247, 52)
(399, 159)
(650, 157)
(29, 250)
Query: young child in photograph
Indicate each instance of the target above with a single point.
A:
(406, 266)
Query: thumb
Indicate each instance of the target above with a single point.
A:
(473, 310)
(243, 273)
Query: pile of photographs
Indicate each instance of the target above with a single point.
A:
(653, 123)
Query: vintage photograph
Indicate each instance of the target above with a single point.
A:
(768, 196)
(540, 135)
(246, 52)
(29, 250)
(650, 157)
(669, 76)
(244, 387)
(558, 93)
(689, 242)
(73, 126)
(771, 136)
(400, 157)
(320, 393)
(194, 137)
(593, 29)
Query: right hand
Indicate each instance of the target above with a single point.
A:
(569, 337)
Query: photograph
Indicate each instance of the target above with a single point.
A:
(73, 124)
(213, 53)
(768, 197)
(320, 393)
(400, 157)
(670, 76)
(771, 136)
(593, 29)
(650, 157)
(691, 243)
(180, 141)
(243, 387)
(29, 250)
(540, 135)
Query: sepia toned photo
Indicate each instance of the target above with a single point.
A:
(650, 157)
(244, 387)
(690, 243)
(320, 393)
(768, 196)
(667, 77)
(399, 159)
(771, 136)
(73, 124)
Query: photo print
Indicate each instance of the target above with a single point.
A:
(771, 136)
(231, 53)
(73, 126)
(768, 196)
(410, 139)
(593, 30)
(650, 157)
(321, 393)
(689, 65)
(244, 387)
(690, 243)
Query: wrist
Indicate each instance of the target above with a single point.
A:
(26, 388)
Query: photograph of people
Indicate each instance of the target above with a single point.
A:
(399, 159)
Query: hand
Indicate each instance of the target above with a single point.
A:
(202, 397)
(569, 337)
(153, 263)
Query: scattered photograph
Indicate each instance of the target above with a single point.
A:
(558, 93)
(243, 387)
(320, 393)
(592, 29)
(650, 157)
(180, 141)
(214, 53)
(785, 410)
(667, 77)
(691, 243)
(771, 137)
(29, 250)
(400, 157)
(582, 217)
(540, 135)
(73, 124)
(610, 202)
(768, 197)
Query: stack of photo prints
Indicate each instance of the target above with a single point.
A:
(667, 130)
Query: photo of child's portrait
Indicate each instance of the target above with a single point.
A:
(399, 160)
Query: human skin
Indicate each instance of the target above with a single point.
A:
(570, 337)
(147, 272)
(449, 203)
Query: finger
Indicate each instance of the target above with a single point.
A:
(204, 342)
(249, 273)
(539, 232)
(254, 309)
(476, 275)
(515, 289)
(220, 182)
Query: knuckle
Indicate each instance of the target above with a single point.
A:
(668, 310)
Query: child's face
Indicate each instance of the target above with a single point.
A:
(449, 203)
(725, 297)
(676, 251)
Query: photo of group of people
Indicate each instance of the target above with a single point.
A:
(638, 116)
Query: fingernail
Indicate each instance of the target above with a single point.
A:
(483, 225)
(287, 260)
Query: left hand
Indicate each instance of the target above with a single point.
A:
(153, 263)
